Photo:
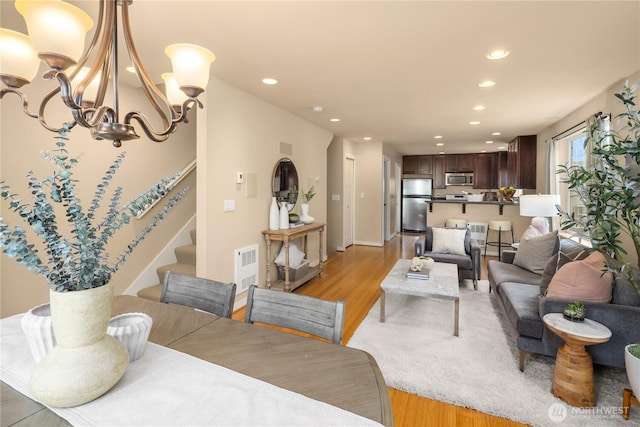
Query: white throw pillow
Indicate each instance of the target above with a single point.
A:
(448, 241)
(296, 256)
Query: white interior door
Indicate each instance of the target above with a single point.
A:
(349, 199)
(398, 222)
(386, 202)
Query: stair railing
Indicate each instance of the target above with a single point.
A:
(186, 171)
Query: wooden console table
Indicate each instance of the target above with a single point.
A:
(286, 236)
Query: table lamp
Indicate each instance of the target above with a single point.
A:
(539, 206)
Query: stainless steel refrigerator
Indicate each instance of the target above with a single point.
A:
(416, 192)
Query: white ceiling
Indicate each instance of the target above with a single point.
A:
(402, 72)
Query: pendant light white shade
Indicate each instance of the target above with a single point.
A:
(55, 26)
(174, 94)
(190, 63)
(18, 58)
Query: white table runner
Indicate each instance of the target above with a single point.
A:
(169, 388)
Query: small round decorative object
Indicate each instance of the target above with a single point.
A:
(507, 192)
(132, 330)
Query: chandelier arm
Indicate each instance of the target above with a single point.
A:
(23, 100)
(151, 90)
(148, 129)
(105, 28)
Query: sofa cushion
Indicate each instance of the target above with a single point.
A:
(533, 253)
(504, 272)
(558, 260)
(521, 303)
(462, 261)
(582, 280)
(625, 293)
(449, 241)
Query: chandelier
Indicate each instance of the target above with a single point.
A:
(56, 37)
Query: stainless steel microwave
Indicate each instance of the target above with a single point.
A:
(458, 178)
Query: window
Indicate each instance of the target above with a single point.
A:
(572, 151)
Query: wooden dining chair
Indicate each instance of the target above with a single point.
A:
(314, 316)
(203, 294)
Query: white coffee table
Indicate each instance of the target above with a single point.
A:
(442, 283)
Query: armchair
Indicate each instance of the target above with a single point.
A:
(469, 265)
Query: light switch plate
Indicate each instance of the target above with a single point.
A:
(229, 205)
(239, 177)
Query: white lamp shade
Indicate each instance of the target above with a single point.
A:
(539, 205)
(17, 55)
(91, 90)
(190, 63)
(55, 26)
(174, 94)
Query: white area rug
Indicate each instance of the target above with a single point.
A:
(417, 353)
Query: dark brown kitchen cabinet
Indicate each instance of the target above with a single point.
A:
(438, 171)
(459, 162)
(410, 164)
(425, 165)
(521, 162)
(503, 172)
(485, 171)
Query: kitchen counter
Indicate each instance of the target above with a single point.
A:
(500, 203)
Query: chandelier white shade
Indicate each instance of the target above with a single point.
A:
(57, 31)
(18, 57)
(539, 206)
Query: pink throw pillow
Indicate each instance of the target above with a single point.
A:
(582, 280)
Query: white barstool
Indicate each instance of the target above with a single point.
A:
(499, 226)
(455, 223)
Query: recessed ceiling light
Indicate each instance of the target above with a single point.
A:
(498, 54)
(318, 109)
(474, 123)
(487, 83)
(496, 133)
(483, 151)
(479, 108)
(502, 148)
(442, 152)
(269, 81)
(488, 142)
(334, 120)
(438, 137)
(367, 138)
(440, 144)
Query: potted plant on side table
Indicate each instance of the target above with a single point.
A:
(86, 362)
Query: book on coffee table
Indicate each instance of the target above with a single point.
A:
(422, 275)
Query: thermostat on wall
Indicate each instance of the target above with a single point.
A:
(239, 177)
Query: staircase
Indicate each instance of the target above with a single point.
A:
(186, 257)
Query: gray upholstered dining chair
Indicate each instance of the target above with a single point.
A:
(314, 316)
(203, 294)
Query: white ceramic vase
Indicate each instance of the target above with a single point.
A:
(632, 364)
(305, 217)
(284, 216)
(132, 330)
(38, 328)
(86, 362)
(274, 215)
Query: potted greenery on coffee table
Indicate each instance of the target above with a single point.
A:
(78, 268)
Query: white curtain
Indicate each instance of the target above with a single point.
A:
(550, 177)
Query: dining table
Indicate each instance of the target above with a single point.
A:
(343, 377)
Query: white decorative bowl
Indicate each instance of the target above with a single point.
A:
(132, 330)
(37, 327)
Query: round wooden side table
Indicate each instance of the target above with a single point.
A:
(573, 372)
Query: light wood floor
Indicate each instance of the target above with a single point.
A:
(354, 276)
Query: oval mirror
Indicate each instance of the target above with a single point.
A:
(284, 184)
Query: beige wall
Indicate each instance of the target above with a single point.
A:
(243, 133)
(335, 199)
(21, 141)
(605, 102)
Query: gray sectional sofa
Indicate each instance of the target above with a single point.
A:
(518, 292)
